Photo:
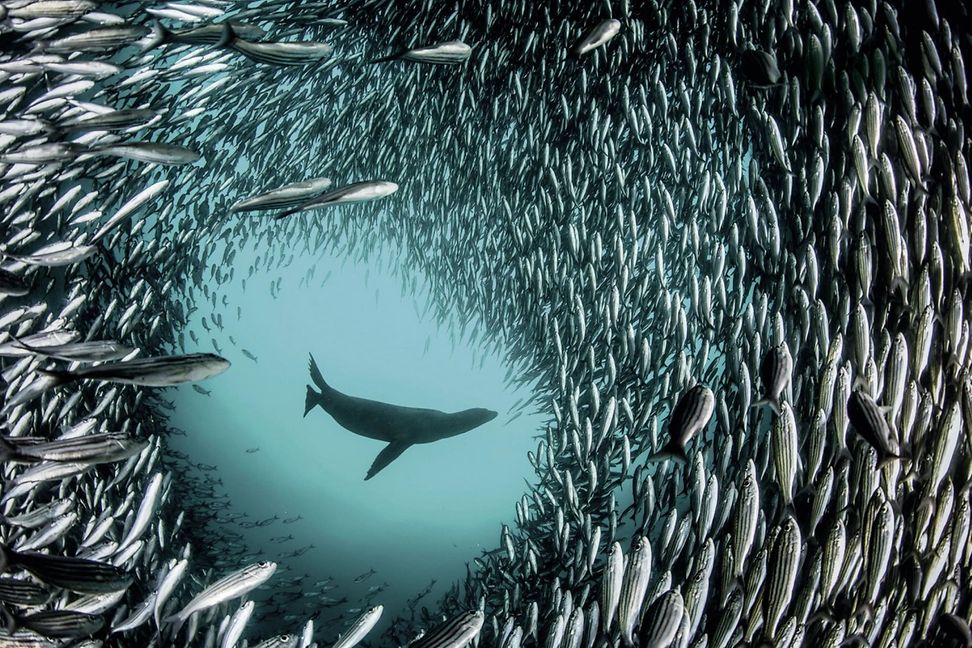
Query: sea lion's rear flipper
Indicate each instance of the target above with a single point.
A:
(316, 375)
(386, 456)
(311, 399)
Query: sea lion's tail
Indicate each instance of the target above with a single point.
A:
(311, 399)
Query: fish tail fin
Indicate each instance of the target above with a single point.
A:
(383, 59)
(20, 344)
(227, 37)
(671, 451)
(899, 285)
(8, 620)
(158, 36)
(311, 399)
(889, 459)
(6, 558)
(177, 620)
(771, 402)
(7, 450)
(59, 376)
(316, 376)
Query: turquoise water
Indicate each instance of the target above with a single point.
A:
(422, 517)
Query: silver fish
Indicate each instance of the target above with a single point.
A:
(598, 36)
(353, 193)
(161, 371)
(286, 196)
(225, 589)
(446, 53)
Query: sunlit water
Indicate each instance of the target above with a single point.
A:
(422, 517)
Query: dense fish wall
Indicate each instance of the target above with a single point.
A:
(723, 205)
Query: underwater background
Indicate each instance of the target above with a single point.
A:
(422, 518)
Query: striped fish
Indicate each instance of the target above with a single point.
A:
(51, 9)
(138, 616)
(114, 120)
(870, 424)
(697, 592)
(728, 621)
(211, 34)
(11, 284)
(782, 575)
(353, 193)
(636, 578)
(282, 53)
(774, 371)
(62, 624)
(160, 371)
(90, 351)
(146, 512)
(226, 589)
(689, 416)
(662, 621)
(288, 195)
(22, 592)
(785, 452)
(94, 449)
(54, 256)
(822, 491)
(16, 347)
(236, 626)
(446, 53)
(454, 633)
(878, 553)
(94, 40)
(360, 628)
(55, 530)
(39, 516)
(747, 516)
(897, 375)
(956, 629)
(151, 152)
(935, 567)
(74, 574)
(575, 631)
(555, 632)
(908, 149)
(946, 441)
(97, 69)
(834, 549)
(611, 586)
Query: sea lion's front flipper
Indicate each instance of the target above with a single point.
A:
(386, 456)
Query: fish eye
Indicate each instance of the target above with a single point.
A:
(263, 563)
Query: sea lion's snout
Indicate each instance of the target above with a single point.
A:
(484, 415)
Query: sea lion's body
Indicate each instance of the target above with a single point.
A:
(397, 425)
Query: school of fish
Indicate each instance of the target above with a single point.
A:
(727, 242)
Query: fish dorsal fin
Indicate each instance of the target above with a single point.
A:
(386, 456)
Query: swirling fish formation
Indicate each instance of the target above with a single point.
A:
(727, 242)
